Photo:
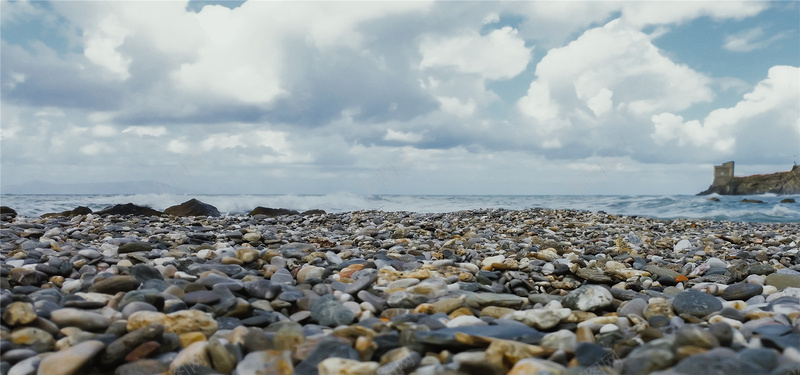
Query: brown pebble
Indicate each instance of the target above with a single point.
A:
(584, 334)
(143, 351)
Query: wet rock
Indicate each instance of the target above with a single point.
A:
(192, 207)
(129, 209)
(272, 212)
(132, 247)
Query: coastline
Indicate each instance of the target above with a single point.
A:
(508, 291)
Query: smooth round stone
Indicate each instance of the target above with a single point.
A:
(696, 303)
(588, 298)
(760, 269)
(70, 360)
(19, 313)
(329, 312)
(27, 366)
(783, 281)
(142, 367)
(741, 291)
(16, 355)
(563, 339)
(135, 306)
(635, 306)
(205, 297)
(695, 336)
(710, 364)
(732, 313)
(268, 362)
(658, 321)
(85, 320)
(132, 247)
(143, 272)
(723, 332)
(765, 358)
(118, 349)
(589, 355)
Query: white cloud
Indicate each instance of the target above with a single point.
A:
(501, 54)
(538, 103)
(610, 70)
(456, 107)
(152, 131)
(750, 40)
(103, 131)
(642, 13)
(223, 142)
(400, 136)
(101, 47)
(96, 148)
(771, 108)
(179, 146)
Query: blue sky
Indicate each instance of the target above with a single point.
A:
(398, 97)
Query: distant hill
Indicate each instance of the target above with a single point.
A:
(124, 187)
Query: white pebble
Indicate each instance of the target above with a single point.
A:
(366, 306)
(465, 320)
(70, 286)
(352, 306)
(609, 328)
(731, 322)
(769, 289)
(755, 279)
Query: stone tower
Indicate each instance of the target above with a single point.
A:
(723, 174)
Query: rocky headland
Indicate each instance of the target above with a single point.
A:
(368, 292)
(781, 183)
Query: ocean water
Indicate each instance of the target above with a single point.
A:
(660, 207)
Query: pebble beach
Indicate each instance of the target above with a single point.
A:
(490, 291)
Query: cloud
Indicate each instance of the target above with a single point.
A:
(604, 83)
(406, 137)
(499, 55)
(766, 117)
(96, 148)
(641, 14)
(152, 131)
(101, 47)
(750, 40)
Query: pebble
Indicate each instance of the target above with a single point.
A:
(70, 360)
(480, 291)
(742, 291)
(695, 303)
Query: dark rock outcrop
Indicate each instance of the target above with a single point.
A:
(751, 201)
(313, 212)
(129, 209)
(77, 211)
(192, 207)
(788, 200)
(7, 213)
(272, 212)
(775, 183)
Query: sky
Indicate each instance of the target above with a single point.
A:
(407, 97)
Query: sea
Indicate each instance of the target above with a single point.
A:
(653, 206)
